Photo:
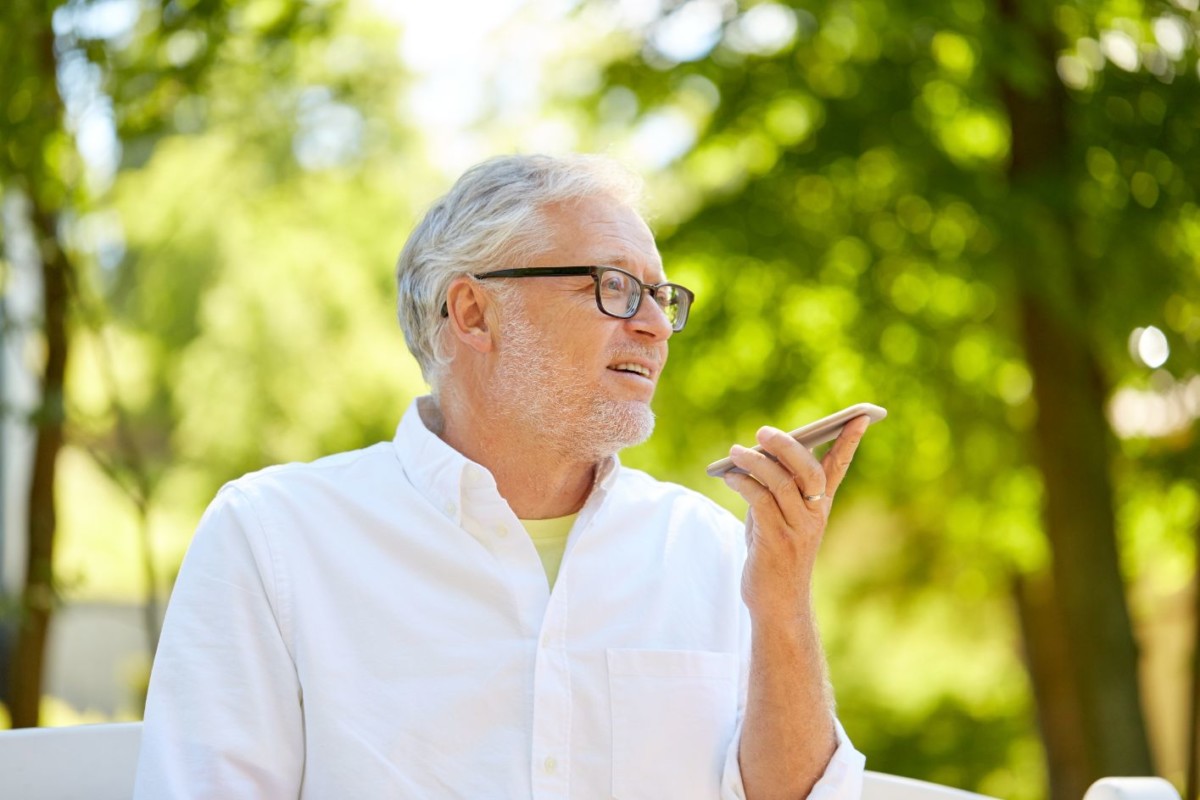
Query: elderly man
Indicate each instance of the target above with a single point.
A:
(490, 605)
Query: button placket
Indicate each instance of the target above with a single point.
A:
(551, 705)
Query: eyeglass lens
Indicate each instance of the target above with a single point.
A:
(620, 295)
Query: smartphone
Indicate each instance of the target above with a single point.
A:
(812, 434)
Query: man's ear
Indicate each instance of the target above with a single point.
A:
(468, 309)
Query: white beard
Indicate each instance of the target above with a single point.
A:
(555, 401)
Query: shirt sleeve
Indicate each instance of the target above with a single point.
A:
(842, 780)
(223, 714)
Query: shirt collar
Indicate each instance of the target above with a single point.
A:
(446, 477)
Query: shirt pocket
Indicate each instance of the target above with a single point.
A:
(673, 713)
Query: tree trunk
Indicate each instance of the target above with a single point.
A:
(39, 593)
(1073, 437)
(46, 194)
(1059, 711)
(1072, 434)
(1193, 734)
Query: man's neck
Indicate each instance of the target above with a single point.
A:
(534, 477)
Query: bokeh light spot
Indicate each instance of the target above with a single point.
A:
(1149, 346)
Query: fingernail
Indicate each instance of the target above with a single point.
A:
(765, 433)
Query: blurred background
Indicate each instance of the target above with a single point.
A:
(981, 214)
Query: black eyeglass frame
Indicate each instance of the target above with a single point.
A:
(595, 272)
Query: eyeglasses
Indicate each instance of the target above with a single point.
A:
(618, 293)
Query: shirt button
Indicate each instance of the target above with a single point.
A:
(450, 509)
(501, 531)
(550, 765)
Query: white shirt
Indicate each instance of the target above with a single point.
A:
(377, 624)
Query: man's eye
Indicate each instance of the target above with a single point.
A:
(613, 283)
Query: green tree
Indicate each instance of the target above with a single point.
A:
(38, 160)
(961, 212)
(185, 272)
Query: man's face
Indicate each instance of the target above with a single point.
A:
(584, 379)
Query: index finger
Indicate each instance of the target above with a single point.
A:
(837, 461)
(795, 458)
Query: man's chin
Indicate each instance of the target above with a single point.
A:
(626, 423)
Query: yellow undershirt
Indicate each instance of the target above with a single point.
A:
(550, 538)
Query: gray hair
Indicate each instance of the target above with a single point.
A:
(492, 217)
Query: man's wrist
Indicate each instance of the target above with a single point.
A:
(796, 625)
(793, 613)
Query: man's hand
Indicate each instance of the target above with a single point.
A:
(788, 735)
(790, 500)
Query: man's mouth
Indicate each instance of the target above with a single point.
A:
(636, 369)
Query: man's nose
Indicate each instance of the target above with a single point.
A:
(651, 319)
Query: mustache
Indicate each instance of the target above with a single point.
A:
(649, 354)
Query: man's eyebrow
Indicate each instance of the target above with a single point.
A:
(614, 260)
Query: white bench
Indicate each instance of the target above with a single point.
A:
(881, 786)
(82, 762)
(97, 762)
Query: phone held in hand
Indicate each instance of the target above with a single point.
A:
(812, 434)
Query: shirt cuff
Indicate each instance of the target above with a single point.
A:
(842, 779)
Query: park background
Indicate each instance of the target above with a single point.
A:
(981, 214)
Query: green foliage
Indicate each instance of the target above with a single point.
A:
(234, 301)
(847, 217)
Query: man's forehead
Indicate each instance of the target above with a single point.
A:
(612, 258)
(599, 213)
(603, 231)
(647, 265)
